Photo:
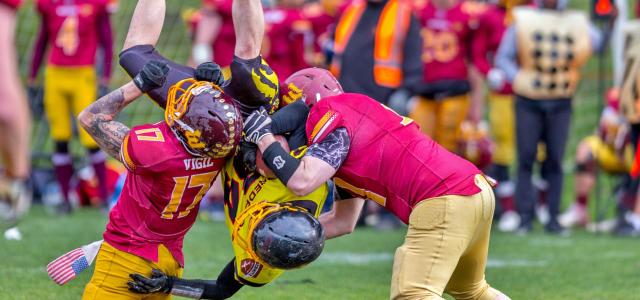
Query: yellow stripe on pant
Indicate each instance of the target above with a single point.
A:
(67, 91)
(502, 121)
(446, 248)
(441, 119)
(110, 277)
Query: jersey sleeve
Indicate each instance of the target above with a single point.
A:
(138, 144)
(253, 84)
(322, 120)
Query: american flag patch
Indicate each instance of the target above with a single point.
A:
(67, 266)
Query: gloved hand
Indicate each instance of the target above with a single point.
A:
(158, 283)
(209, 71)
(152, 76)
(496, 79)
(257, 125)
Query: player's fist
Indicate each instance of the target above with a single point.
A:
(210, 72)
(257, 125)
(159, 282)
(496, 79)
(152, 76)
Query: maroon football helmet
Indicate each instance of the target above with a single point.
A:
(310, 84)
(204, 118)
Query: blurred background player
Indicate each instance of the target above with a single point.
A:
(214, 35)
(285, 39)
(443, 97)
(15, 123)
(70, 33)
(322, 15)
(493, 22)
(608, 150)
(541, 56)
(376, 45)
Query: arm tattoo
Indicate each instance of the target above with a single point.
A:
(98, 121)
(333, 149)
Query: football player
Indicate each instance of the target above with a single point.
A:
(493, 23)
(446, 200)
(214, 34)
(159, 202)
(609, 149)
(444, 101)
(71, 32)
(15, 122)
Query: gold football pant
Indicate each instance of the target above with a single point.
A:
(446, 248)
(606, 156)
(502, 121)
(441, 119)
(67, 91)
(110, 277)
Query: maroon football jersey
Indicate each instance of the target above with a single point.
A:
(390, 161)
(12, 3)
(283, 44)
(446, 36)
(72, 30)
(160, 197)
(492, 25)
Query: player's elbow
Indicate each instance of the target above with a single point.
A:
(85, 119)
(300, 186)
(248, 50)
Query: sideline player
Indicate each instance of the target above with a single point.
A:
(374, 153)
(444, 101)
(15, 121)
(71, 32)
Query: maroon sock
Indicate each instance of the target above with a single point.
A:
(507, 204)
(97, 161)
(63, 168)
(582, 200)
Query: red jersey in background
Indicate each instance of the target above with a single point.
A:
(224, 44)
(446, 36)
(12, 3)
(283, 44)
(493, 23)
(72, 29)
(160, 197)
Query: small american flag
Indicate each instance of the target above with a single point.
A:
(66, 267)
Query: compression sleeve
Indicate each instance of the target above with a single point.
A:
(224, 287)
(333, 149)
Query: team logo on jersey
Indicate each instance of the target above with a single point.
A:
(193, 139)
(265, 82)
(293, 93)
(250, 268)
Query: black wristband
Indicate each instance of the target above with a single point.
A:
(189, 288)
(139, 82)
(280, 162)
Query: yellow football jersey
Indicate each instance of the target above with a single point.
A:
(240, 193)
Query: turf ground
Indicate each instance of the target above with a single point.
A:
(353, 267)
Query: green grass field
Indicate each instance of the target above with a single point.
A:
(582, 266)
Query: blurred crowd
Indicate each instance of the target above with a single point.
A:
(493, 81)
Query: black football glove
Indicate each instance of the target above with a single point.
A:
(209, 71)
(257, 125)
(152, 76)
(158, 283)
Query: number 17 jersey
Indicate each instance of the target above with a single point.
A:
(160, 197)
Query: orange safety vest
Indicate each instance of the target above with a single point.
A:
(391, 32)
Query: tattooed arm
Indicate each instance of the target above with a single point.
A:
(98, 119)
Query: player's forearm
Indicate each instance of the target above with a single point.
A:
(224, 287)
(248, 24)
(146, 23)
(342, 219)
(98, 119)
